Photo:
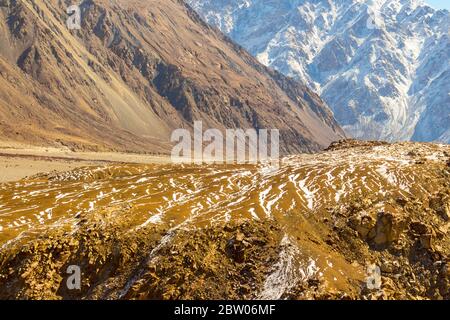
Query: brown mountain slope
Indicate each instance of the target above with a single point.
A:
(134, 72)
(308, 230)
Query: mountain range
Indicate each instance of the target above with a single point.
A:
(134, 72)
(383, 66)
(361, 220)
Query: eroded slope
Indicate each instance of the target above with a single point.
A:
(134, 72)
(308, 229)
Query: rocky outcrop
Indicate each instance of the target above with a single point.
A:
(409, 242)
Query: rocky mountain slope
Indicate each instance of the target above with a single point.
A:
(134, 72)
(311, 229)
(383, 66)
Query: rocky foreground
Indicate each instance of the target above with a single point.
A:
(310, 229)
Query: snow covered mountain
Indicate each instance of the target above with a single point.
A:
(383, 66)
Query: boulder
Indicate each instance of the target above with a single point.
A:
(362, 223)
(426, 240)
(419, 228)
(388, 229)
(441, 204)
(445, 212)
(235, 248)
(401, 201)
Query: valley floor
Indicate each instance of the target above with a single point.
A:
(18, 161)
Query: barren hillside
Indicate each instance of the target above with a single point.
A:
(308, 229)
(135, 71)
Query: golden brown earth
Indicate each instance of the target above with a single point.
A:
(309, 229)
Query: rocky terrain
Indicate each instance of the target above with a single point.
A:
(134, 72)
(311, 228)
(383, 66)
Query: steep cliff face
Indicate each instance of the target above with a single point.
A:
(383, 66)
(134, 72)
